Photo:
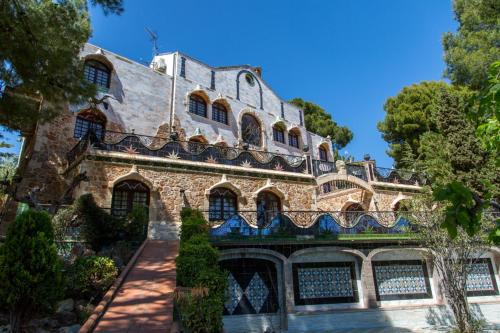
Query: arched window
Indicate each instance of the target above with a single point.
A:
(90, 120)
(352, 212)
(219, 113)
(97, 73)
(197, 105)
(323, 154)
(223, 204)
(294, 139)
(278, 134)
(250, 130)
(268, 206)
(128, 194)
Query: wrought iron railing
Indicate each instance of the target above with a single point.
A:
(399, 176)
(309, 223)
(323, 167)
(357, 170)
(190, 151)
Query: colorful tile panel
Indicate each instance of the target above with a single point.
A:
(401, 280)
(481, 279)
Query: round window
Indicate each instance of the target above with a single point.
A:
(250, 79)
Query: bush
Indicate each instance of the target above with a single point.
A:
(90, 277)
(197, 267)
(30, 271)
(193, 225)
(135, 228)
(99, 228)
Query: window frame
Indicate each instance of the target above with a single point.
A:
(226, 204)
(278, 134)
(323, 154)
(82, 121)
(195, 103)
(292, 136)
(220, 113)
(259, 127)
(92, 71)
(128, 196)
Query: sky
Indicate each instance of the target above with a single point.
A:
(348, 56)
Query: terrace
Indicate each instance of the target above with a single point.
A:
(220, 154)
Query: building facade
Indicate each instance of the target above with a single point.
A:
(298, 232)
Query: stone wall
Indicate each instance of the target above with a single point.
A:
(173, 189)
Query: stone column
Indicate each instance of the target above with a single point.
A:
(368, 285)
(288, 283)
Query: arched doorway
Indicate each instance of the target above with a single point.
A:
(352, 213)
(127, 194)
(268, 206)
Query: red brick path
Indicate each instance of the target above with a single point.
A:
(144, 302)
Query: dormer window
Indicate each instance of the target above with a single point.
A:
(219, 113)
(197, 105)
(97, 73)
(278, 134)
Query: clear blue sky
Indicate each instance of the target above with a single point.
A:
(347, 56)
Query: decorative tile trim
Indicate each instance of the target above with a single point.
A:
(324, 283)
(481, 279)
(401, 279)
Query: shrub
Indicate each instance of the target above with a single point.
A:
(99, 228)
(137, 221)
(30, 271)
(197, 267)
(193, 225)
(91, 276)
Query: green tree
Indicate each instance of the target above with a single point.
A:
(30, 270)
(40, 68)
(319, 121)
(410, 114)
(475, 46)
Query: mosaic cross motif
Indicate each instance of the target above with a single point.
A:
(479, 278)
(256, 293)
(325, 282)
(234, 292)
(400, 279)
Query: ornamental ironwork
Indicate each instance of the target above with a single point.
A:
(250, 130)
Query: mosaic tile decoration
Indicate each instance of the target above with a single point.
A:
(481, 280)
(401, 280)
(252, 286)
(234, 293)
(324, 282)
(256, 292)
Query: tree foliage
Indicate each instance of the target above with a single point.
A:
(410, 114)
(40, 68)
(30, 270)
(318, 121)
(475, 46)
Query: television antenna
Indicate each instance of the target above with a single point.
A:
(153, 38)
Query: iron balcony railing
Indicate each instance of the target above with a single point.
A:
(189, 151)
(399, 176)
(244, 224)
(171, 148)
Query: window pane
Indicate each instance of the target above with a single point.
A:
(197, 106)
(293, 140)
(219, 113)
(250, 130)
(278, 135)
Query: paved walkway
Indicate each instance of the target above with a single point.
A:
(144, 302)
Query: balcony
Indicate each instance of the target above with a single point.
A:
(172, 149)
(310, 225)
